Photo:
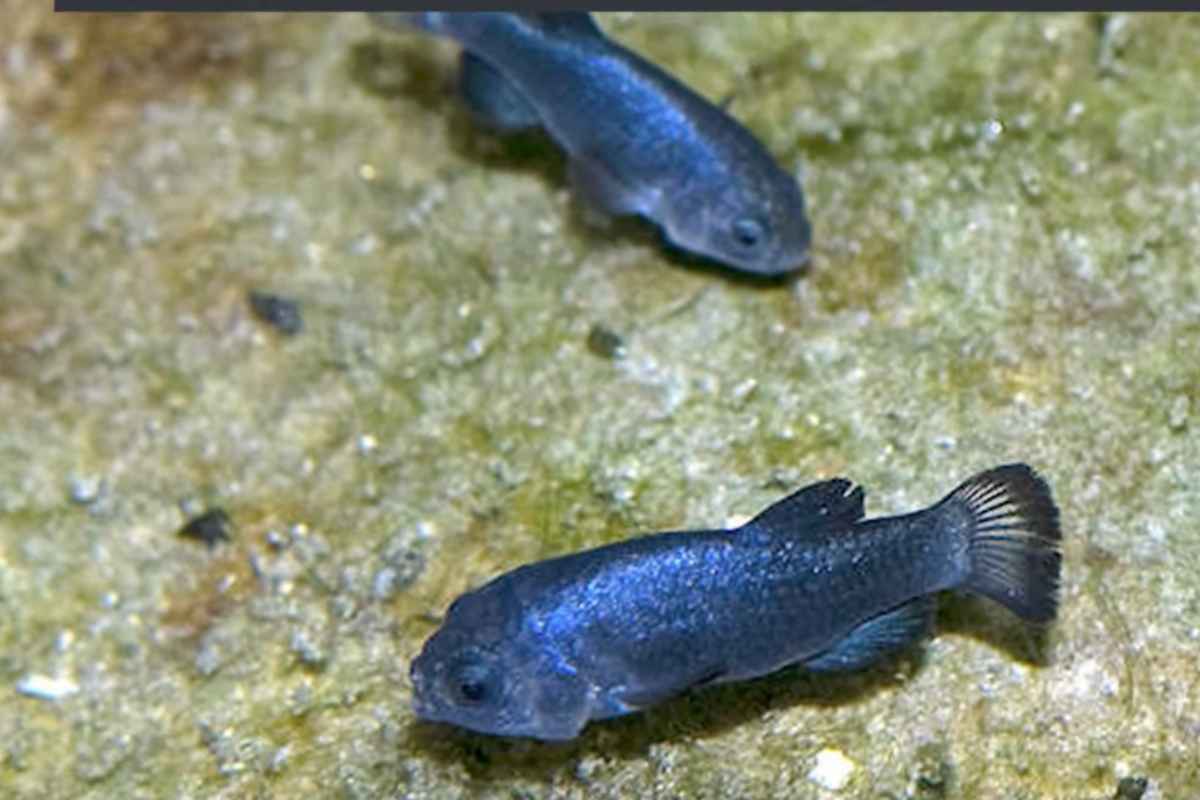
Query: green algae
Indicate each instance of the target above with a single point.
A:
(1004, 234)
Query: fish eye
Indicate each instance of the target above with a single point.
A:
(472, 691)
(471, 684)
(748, 232)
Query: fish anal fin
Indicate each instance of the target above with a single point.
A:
(492, 98)
(813, 508)
(878, 637)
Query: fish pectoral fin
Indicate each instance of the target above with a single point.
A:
(600, 189)
(492, 98)
(711, 676)
(623, 700)
(812, 509)
(633, 699)
(878, 637)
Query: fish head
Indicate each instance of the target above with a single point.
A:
(489, 674)
(753, 223)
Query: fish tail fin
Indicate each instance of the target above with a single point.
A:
(1013, 547)
(466, 25)
(567, 23)
(429, 21)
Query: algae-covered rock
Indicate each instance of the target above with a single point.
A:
(1004, 268)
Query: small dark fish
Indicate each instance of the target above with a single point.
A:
(210, 527)
(639, 141)
(541, 650)
(278, 312)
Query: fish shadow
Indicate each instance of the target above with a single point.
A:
(985, 622)
(700, 264)
(706, 712)
(695, 715)
(390, 70)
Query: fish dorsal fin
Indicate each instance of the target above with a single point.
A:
(813, 508)
(568, 23)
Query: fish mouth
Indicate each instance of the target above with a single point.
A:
(787, 261)
(421, 707)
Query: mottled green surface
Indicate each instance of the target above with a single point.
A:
(1006, 219)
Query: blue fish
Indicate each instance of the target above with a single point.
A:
(543, 649)
(639, 141)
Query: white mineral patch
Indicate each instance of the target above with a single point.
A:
(1090, 678)
(44, 687)
(832, 770)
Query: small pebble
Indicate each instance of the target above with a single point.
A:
(279, 759)
(402, 565)
(191, 506)
(85, 489)
(1177, 416)
(832, 770)
(208, 659)
(744, 389)
(384, 584)
(307, 650)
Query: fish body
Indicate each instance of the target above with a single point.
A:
(543, 649)
(638, 140)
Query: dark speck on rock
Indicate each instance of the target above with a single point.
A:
(210, 527)
(1131, 788)
(280, 313)
(934, 772)
(605, 342)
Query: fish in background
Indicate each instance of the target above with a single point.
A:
(543, 649)
(639, 142)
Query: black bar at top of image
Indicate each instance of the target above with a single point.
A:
(643, 5)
